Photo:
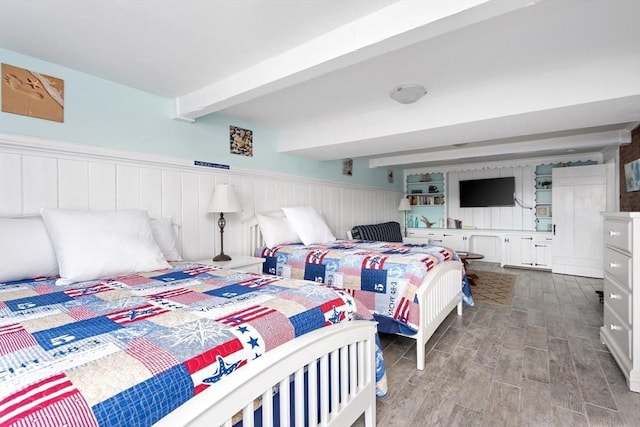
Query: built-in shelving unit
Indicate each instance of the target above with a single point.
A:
(543, 193)
(543, 182)
(426, 194)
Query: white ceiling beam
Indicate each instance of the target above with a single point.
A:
(596, 140)
(398, 25)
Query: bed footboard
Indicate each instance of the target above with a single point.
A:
(437, 297)
(338, 361)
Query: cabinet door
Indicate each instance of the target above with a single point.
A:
(519, 250)
(455, 241)
(543, 252)
(579, 195)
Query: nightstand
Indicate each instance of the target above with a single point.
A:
(244, 263)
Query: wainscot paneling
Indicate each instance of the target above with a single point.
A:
(36, 173)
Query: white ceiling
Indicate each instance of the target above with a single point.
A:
(505, 78)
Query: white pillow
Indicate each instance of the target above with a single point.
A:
(164, 235)
(91, 245)
(25, 249)
(276, 229)
(309, 224)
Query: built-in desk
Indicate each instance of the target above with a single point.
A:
(517, 248)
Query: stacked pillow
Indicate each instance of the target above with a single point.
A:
(294, 225)
(82, 245)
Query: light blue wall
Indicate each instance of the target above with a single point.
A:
(100, 112)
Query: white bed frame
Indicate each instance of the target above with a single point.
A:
(437, 296)
(345, 354)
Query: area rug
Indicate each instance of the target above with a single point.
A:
(493, 288)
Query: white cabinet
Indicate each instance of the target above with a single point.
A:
(621, 300)
(543, 250)
(532, 250)
(518, 250)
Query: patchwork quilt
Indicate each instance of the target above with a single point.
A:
(384, 276)
(129, 350)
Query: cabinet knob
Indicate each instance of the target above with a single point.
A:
(613, 233)
(613, 265)
(615, 327)
(614, 296)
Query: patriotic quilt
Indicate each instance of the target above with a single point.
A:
(384, 276)
(129, 350)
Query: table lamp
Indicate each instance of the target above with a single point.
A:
(224, 200)
(404, 206)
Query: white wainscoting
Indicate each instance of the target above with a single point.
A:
(36, 173)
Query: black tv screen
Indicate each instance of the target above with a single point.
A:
(484, 193)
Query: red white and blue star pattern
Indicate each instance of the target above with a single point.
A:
(128, 350)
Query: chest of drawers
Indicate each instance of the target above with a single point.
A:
(621, 329)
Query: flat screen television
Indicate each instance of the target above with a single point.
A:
(488, 192)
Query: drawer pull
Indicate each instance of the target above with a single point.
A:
(615, 327)
(614, 296)
(614, 265)
(614, 233)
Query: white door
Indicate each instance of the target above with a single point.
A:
(579, 195)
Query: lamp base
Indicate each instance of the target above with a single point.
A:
(222, 257)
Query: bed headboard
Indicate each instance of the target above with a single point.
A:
(254, 235)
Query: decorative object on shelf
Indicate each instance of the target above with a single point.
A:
(32, 94)
(543, 210)
(433, 189)
(347, 167)
(545, 185)
(241, 141)
(404, 207)
(408, 93)
(426, 221)
(224, 200)
(390, 176)
(425, 178)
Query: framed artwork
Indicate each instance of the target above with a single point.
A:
(543, 211)
(347, 167)
(632, 175)
(30, 93)
(241, 141)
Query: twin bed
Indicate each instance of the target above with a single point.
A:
(410, 288)
(84, 340)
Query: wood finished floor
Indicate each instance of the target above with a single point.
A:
(538, 362)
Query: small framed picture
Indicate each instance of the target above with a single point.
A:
(543, 211)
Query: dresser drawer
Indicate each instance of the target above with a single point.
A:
(619, 333)
(618, 265)
(618, 234)
(618, 299)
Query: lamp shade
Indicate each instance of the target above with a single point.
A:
(404, 205)
(224, 199)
